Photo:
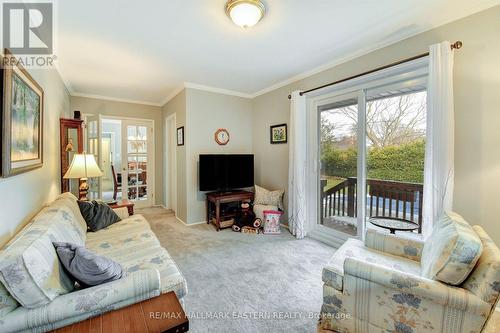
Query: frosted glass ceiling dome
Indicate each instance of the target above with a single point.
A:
(245, 13)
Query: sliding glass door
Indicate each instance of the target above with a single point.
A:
(371, 147)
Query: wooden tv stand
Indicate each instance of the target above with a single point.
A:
(218, 198)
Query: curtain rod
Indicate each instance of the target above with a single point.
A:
(457, 45)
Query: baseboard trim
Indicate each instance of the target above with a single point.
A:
(160, 205)
(189, 224)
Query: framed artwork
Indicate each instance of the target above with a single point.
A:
(180, 136)
(22, 119)
(279, 134)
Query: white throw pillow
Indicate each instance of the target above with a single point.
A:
(270, 198)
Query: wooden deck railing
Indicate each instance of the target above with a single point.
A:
(385, 198)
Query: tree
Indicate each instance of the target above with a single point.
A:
(392, 121)
(327, 131)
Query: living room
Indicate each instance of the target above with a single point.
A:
(250, 166)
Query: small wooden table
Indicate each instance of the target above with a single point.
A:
(124, 203)
(217, 198)
(160, 314)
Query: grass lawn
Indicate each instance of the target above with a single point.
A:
(331, 181)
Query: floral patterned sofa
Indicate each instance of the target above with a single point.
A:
(37, 295)
(387, 283)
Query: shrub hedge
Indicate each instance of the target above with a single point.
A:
(401, 163)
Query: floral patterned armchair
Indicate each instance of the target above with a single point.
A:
(380, 285)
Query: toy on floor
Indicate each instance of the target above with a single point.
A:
(272, 222)
(246, 219)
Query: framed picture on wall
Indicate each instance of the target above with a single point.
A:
(22, 118)
(180, 136)
(279, 134)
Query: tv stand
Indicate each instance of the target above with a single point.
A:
(214, 201)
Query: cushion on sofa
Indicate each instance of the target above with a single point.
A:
(29, 267)
(133, 244)
(86, 267)
(333, 272)
(451, 251)
(97, 214)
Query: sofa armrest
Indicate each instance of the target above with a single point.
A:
(435, 291)
(78, 305)
(395, 245)
(122, 212)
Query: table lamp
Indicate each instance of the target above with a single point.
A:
(83, 166)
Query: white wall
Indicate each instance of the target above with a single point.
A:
(206, 113)
(22, 196)
(477, 116)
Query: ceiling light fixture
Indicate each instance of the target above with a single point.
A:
(245, 13)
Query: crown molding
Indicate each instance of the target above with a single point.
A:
(332, 64)
(174, 93)
(361, 52)
(283, 83)
(217, 90)
(114, 99)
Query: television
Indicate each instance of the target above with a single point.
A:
(225, 172)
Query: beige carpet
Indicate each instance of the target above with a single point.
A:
(249, 283)
(253, 275)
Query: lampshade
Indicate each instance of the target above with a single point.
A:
(245, 13)
(83, 166)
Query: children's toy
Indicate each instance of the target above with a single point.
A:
(272, 222)
(246, 218)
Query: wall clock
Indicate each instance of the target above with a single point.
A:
(222, 136)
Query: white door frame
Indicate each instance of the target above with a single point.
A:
(170, 154)
(407, 74)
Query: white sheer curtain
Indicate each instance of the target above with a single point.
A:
(297, 166)
(439, 149)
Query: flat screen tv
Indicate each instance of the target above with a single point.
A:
(225, 172)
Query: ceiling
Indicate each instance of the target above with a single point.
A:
(146, 51)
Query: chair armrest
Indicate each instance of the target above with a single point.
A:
(395, 245)
(435, 291)
(122, 212)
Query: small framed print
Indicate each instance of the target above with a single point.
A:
(279, 134)
(180, 136)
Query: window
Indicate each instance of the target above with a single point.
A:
(371, 148)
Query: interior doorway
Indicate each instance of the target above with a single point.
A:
(124, 150)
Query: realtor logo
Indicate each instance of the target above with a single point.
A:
(28, 27)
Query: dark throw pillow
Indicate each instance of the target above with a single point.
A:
(97, 214)
(87, 268)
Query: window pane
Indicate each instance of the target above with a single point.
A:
(338, 136)
(395, 130)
